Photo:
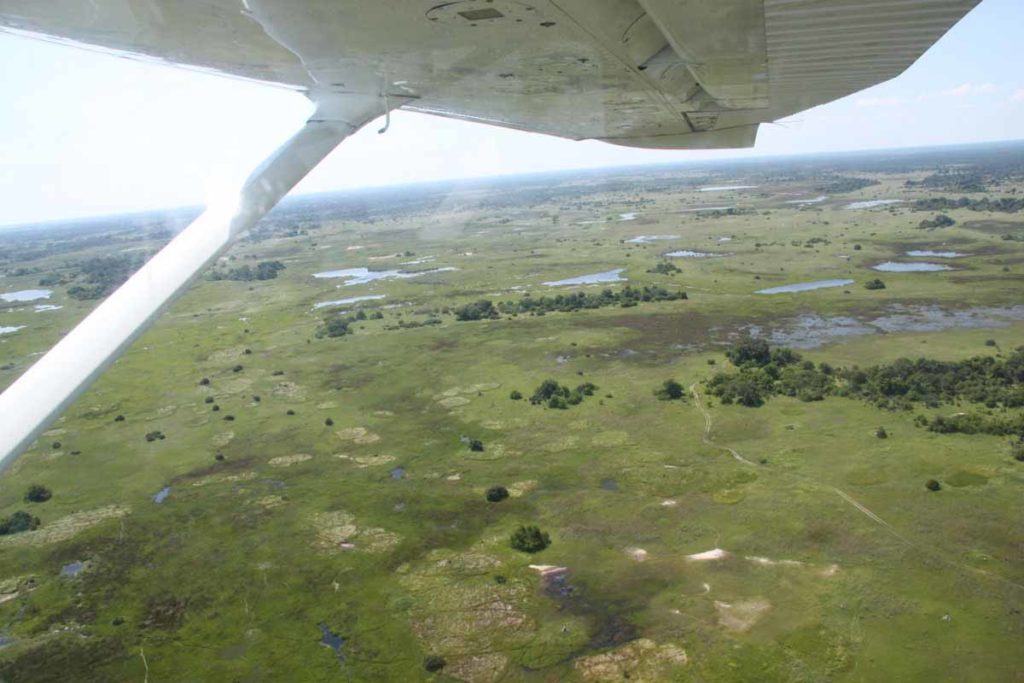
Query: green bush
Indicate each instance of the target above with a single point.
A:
(516, 395)
(37, 493)
(496, 494)
(874, 284)
(932, 485)
(18, 522)
(476, 445)
(529, 539)
(434, 663)
(670, 390)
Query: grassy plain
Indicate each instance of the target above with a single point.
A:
(836, 565)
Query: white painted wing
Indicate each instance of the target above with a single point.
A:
(654, 73)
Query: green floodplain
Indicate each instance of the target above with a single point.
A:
(265, 490)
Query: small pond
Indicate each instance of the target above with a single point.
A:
(647, 239)
(816, 200)
(350, 300)
(935, 254)
(894, 267)
(26, 295)
(8, 330)
(398, 473)
(161, 495)
(72, 569)
(688, 253)
(872, 203)
(592, 279)
(726, 188)
(362, 276)
(805, 286)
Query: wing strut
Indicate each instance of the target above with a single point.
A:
(46, 389)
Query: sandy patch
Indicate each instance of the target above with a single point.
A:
(549, 570)
(326, 405)
(478, 668)
(367, 460)
(638, 554)
(669, 503)
(289, 460)
(453, 402)
(741, 616)
(225, 355)
(830, 570)
(64, 528)
(562, 444)
(222, 439)
(454, 477)
(769, 562)
(521, 488)
(271, 502)
(358, 435)
(289, 390)
(50, 433)
(640, 660)
(224, 478)
(383, 413)
(235, 385)
(337, 531)
(708, 555)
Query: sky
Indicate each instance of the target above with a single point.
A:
(85, 133)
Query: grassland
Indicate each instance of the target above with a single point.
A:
(282, 534)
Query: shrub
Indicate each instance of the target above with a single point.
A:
(496, 494)
(670, 390)
(237, 368)
(37, 493)
(204, 382)
(18, 522)
(881, 433)
(434, 663)
(932, 485)
(516, 395)
(529, 539)
(208, 399)
(119, 418)
(1017, 450)
(990, 342)
(329, 422)
(874, 284)
(476, 445)
(156, 435)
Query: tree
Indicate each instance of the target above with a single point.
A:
(18, 522)
(874, 284)
(670, 390)
(37, 493)
(932, 485)
(496, 494)
(529, 539)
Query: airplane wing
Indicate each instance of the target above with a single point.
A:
(648, 73)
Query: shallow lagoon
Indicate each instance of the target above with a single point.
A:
(935, 254)
(592, 279)
(687, 253)
(647, 239)
(362, 276)
(805, 286)
(350, 300)
(26, 295)
(873, 203)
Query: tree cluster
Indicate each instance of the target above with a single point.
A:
(999, 205)
(18, 522)
(564, 303)
(940, 221)
(264, 270)
(555, 395)
(989, 381)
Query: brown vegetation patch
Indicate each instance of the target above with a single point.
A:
(64, 528)
(640, 660)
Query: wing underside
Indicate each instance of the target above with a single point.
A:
(651, 73)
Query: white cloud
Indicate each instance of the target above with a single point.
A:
(1018, 96)
(968, 89)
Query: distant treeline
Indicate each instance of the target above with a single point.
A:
(1000, 205)
(101, 275)
(968, 181)
(564, 303)
(841, 184)
(763, 372)
(264, 270)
